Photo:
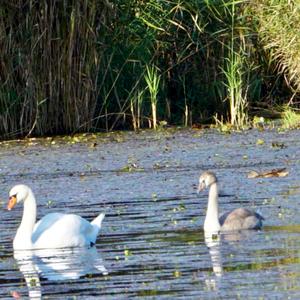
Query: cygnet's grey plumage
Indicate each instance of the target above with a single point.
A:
(237, 219)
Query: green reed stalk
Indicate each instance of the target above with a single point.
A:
(234, 74)
(235, 89)
(152, 79)
(140, 98)
(186, 107)
(136, 103)
(133, 113)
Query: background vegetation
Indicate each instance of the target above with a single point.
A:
(75, 66)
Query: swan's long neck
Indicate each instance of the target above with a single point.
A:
(22, 239)
(211, 223)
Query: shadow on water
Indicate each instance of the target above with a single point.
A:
(152, 243)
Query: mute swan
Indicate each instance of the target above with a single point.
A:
(55, 230)
(237, 219)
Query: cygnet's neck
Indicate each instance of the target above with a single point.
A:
(211, 223)
(22, 239)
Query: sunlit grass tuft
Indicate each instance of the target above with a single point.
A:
(290, 118)
(153, 79)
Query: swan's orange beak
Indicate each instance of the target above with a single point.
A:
(11, 202)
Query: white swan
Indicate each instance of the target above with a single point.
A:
(55, 230)
(237, 219)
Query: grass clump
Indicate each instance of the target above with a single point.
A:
(278, 30)
(290, 118)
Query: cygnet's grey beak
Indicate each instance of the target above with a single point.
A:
(201, 187)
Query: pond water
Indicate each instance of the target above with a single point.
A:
(152, 244)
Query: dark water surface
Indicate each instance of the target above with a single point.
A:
(152, 244)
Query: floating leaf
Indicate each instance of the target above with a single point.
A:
(49, 203)
(260, 142)
(127, 252)
(157, 166)
(278, 145)
(154, 196)
(126, 169)
(131, 167)
(182, 206)
(33, 282)
(177, 273)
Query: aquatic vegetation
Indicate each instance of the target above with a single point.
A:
(278, 145)
(260, 142)
(127, 253)
(224, 127)
(136, 106)
(177, 273)
(93, 67)
(49, 203)
(153, 79)
(278, 30)
(235, 73)
(131, 168)
(236, 89)
(259, 123)
(290, 119)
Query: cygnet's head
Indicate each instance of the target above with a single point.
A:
(206, 180)
(17, 194)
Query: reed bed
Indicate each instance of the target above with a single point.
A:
(81, 66)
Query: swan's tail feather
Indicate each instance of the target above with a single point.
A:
(98, 220)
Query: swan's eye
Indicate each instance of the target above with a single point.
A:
(13, 196)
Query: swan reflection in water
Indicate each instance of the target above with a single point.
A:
(215, 243)
(57, 264)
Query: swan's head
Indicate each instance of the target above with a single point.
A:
(17, 194)
(206, 180)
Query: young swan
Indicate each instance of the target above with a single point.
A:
(55, 230)
(237, 219)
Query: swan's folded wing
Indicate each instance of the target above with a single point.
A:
(241, 218)
(63, 230)
(42, 225)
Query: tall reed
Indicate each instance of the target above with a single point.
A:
(49, 64)
(136, 103)
(236, 89)
(68, 66)
(152, 79)
(278, 29)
